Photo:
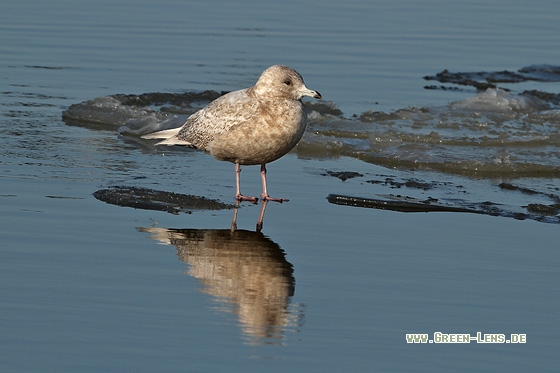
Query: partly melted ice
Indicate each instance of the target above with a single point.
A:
(493, 134)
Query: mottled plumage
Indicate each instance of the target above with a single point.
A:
(251, 126)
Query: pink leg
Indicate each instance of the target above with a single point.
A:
(238, 196)
(264, 195)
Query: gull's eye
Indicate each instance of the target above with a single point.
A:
(287, 82)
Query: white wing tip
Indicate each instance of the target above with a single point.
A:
(174, 141)
(169, 136)
(162, 134)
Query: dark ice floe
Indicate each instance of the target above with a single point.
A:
(483, 80)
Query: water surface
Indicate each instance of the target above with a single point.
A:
(91, 286)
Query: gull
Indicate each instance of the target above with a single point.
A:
(251, 126)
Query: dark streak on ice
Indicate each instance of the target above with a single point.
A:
(483, 80)
(546, 213)
(150, 199)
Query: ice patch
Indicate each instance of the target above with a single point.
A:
(495, 100)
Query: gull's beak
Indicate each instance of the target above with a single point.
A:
(310, 93)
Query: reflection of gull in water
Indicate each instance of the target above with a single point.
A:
(252, 126)
(259, 221)
(245, 271)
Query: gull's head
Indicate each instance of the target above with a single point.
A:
(283, 82)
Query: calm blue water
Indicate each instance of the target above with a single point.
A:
(86, 287)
